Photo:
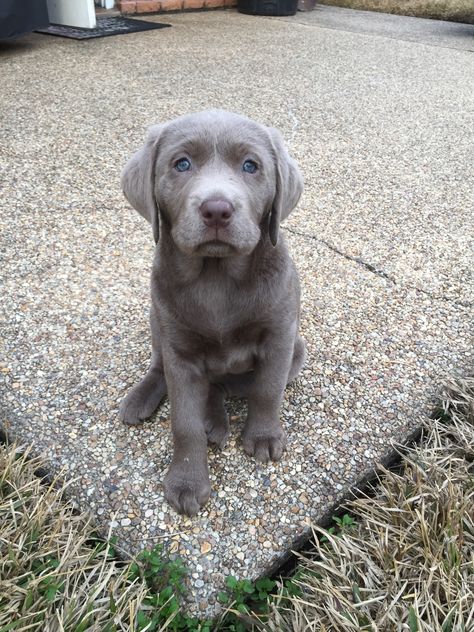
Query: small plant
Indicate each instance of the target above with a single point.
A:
(245, 592)
(245, 600)
(164, 579)
(342, 524)
(49, 584)
(249, 602)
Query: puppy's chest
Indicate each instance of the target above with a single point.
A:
(224, 333)
(219, 309)
(236, 352)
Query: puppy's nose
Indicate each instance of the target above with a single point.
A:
(216, 213)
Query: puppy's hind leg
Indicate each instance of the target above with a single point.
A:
(143, 399)
(217, 422)
(299, 357)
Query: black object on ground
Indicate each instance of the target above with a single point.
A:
(268, 7)
(18, 17)
(105, 26)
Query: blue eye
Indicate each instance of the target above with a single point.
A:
(182, 164)
(249, 166)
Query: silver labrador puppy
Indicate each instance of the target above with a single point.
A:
(225, 292)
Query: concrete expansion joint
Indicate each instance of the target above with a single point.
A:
(352, 26)
(374, 270)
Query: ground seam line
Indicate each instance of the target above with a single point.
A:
(391, 37)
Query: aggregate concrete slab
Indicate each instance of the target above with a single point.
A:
(387, 149)
(75, 263)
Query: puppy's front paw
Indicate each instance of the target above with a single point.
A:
(186, 490)
(264, 446)
(217, 430)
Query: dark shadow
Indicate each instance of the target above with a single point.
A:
(15, 46)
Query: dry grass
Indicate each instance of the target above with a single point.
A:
(408, 563)
(54, 574)
(454, 10)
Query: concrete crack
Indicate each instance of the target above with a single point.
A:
(358, 260)
(374, 270)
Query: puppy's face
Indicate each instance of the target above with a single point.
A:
(214, 182)
(214, 178)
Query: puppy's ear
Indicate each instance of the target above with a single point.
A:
(138, 179)
(289, 184)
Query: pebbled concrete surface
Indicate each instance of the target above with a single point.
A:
(383, 238)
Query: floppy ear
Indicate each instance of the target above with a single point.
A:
(138, 179)
(289, 184)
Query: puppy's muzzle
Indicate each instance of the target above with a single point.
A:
(216, 213)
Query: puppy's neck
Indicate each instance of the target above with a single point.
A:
(237, 267)
(189, 268)
(186, 268)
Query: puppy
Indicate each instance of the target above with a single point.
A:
(225, 292)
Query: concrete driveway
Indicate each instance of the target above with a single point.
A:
(378, 110)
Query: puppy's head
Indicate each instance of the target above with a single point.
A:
(217, 179)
